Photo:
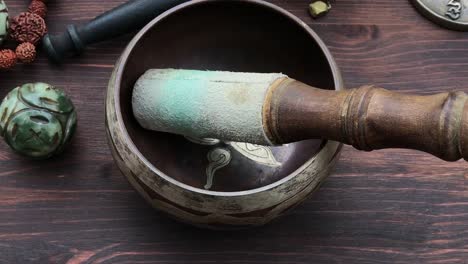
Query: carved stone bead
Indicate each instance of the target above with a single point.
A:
(37, 120)
(3, 21)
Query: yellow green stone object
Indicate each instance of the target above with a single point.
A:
(319, 8)
(37, 120)
(3, 21)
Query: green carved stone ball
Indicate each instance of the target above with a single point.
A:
(3, 21)
(37, 120)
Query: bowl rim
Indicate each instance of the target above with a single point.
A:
(122, 63)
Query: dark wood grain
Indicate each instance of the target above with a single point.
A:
(390, 206)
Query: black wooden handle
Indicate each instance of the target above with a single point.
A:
(123, 19)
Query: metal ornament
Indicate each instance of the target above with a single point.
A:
(451, 14)
(319, 8)
(37, 120)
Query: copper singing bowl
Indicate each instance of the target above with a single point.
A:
(204, 181)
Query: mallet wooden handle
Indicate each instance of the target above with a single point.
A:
(370, 118)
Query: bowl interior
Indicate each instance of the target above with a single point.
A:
(229, 36)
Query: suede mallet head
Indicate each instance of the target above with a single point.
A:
(204, 104)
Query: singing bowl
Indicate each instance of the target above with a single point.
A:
(207, 182)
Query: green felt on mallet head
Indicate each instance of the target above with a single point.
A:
(204, 104)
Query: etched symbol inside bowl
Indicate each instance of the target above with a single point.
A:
(260, 154)
(220, 157)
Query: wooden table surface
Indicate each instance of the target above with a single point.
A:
(389, 206)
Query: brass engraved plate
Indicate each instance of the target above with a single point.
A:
(452, 14)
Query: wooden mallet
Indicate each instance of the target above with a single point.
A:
(272, 109)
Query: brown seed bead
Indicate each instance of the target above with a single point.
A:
(26, 52)
(27, 27)
(38, 7)
(7, 59)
